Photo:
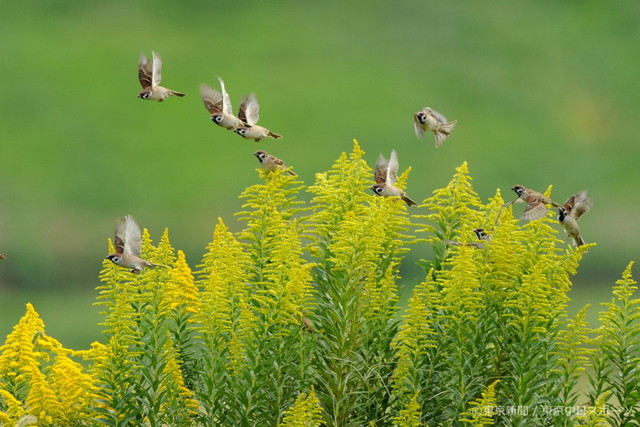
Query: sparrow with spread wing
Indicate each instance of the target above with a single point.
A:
(271, 163)
(128, 240)
(569, 213)
(429, 120)
(536, 203)
(385, 175)
(219, 105)
(150, 76)
(250, 114)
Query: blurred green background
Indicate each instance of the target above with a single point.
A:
(544, 93)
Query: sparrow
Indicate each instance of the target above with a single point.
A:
(270, 163)
(250, 114)
(150, 76)
(385, 175)
(307, 325)
(570, 212)
(128, 240)
(219, 105)
(482, 235)
(430, 120)
(536, 203)
(3, 256)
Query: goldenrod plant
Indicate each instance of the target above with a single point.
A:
(294, 321)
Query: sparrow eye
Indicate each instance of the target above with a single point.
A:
(216, 119)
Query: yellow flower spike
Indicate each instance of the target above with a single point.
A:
(14, 409)
(180, 401)
(42, 400)
(19, 356)
(460, 285)
(181, 292)
(165, 253)
(223, 278)
(287, 279)
(483, 409)
(455, 210)
(76, 390)
(305, 412)
(340, 190)
(410, 415)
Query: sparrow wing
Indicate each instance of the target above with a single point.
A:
(242, 109)
(212, 99)
(570, 203)
(582, 204)
(131, 235)
(277, 161)
(439, 117)
(251, 110)
(417, 127)
(226, 101)
(119, 236)
(392, 169)
(535, 209)
(145, 71)
(380, 173)
(157, 69)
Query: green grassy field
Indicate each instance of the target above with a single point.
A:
(544, 93)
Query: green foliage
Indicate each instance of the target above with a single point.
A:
(294, 322)
(615, 373)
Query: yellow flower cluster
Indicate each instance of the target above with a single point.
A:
(40, 379)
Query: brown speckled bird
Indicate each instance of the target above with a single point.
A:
(271, 163)
(219, 105)
(536, 203)
(569, 213)
(385, 175)
(429, 120)
(250, 114)
(150, 76)
(128, 240)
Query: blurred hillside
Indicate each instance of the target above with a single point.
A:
(544, 93)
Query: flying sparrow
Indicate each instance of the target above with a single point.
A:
(430, 120)
(536, 203)
(150, 76)
(219, 105)
(250, 114)
(3, 256)
(128, 240)
(270, 163)
(385, 175)
(571, 211)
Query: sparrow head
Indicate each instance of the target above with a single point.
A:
(241, 131)
(562, 213)
(421, 116)
(3, 256)
(261, 155)
(482, 235)
(114, 258)
(144, 94)
(377, 188)
(217, 118)
(519, 189)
